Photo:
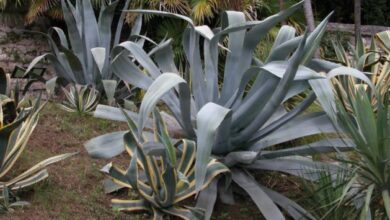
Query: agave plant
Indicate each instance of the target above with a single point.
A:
(83, 55)
(161, 170)
(229, 122)
(80, 99)
(16, 127)
(375, 60)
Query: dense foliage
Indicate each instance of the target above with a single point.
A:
(374, 12)
(242, 98)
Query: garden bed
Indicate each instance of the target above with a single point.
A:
(74, 189)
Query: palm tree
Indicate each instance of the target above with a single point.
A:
(38, 8)
(358, 17)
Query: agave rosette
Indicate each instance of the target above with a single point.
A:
(82, 54)
(228, 122)
(162, 172)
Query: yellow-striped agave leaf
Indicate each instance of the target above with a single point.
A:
(17, 125)
(162, 171)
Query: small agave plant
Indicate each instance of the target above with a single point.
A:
(80, 99)
(16, 126)
(162, 172)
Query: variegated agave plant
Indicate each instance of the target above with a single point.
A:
(374, 61)
(228, 122)
(162, 172)
(80, 99)
(16, 127)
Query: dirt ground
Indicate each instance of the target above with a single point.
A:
(73, 189)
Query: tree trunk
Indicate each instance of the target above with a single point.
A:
(281, 5)
(281, 8)
(358, 17)
(308, 10)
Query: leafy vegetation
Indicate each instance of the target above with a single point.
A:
(80, 99)
(83, 55)
(238, 127)
(16, 126)
(368, 126)
(238, 98)
(162, 180)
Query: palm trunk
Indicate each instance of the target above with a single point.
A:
(358, 17)
(308, 10)
(281, 7)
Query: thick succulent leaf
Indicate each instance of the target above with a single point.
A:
(121, 20)
(283, 51)
(278, 68)
(106, 146)
(61, 35)
(127, 71)
(285, 34)
(351, 72)
(324, 92)
(110, 88)
(252, 38)
(130, 205)
(104, 25)
(275, 100)
(207, 198)
(99, 56)
(116, 114)
(319, 65)
(140, 55)
(236, 41)
(73, 29)
(263, 202)
(159, 88)
(188, 150)
(209, 119)
(5, 134)
(38, 167)
(110, 187)
(314, 40)
(62, 70)
(283, 119)
(161, 132)
(240, 157)
(192, 51)
(384, 40)
(323, 146)
(164, 14)
(113, 113)
(184, 213)
(164, 58)
(90, 35)
(302, 126)
(39, 176)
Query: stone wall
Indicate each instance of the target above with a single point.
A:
(19, 48)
